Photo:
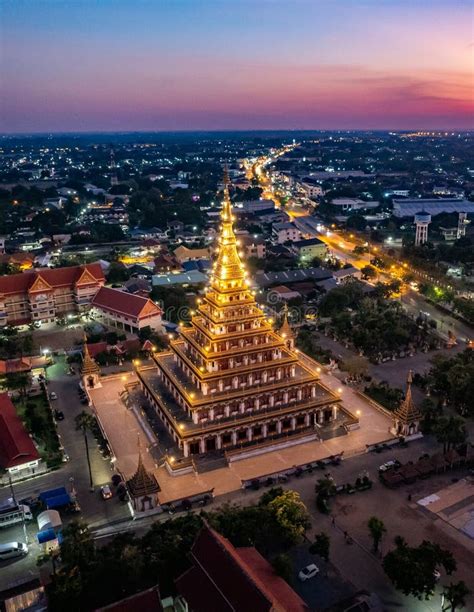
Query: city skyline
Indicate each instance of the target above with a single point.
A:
(141, 66)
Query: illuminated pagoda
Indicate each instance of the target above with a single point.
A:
(229, 381)
(407, 417)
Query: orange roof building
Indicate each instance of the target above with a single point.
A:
(17, 450)
(125, 310)
(224, 579)
(42, 295)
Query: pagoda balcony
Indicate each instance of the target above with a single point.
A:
(251, 367)
(206, 312)
(194, 397)
(234, 351)
(266, 327)
(209, 297)
(186, 428)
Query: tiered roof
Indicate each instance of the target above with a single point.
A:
(89, 366)
(407, 412)
(142, 482)
(48, 279)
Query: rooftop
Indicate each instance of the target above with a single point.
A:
(16, 446)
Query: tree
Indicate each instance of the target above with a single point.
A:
(321, 545)
(356, 366)
(412, 570)
(19, 381)
(283, 566)
(456, 594)
(369, 272)
(85, 422)
(450, 431)
(357, 222)
(377, 530)
(324, 489)
(290, 513)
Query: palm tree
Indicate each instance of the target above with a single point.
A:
(377, 529)
(456, 594)
(85, 422)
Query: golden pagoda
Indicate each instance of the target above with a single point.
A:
(90, 370)
(229, 382)
(407, 416)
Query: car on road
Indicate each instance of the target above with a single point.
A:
(53, 396)
(106, 491)
(388, 465)
(59, 415)
(310, 571)
(11, 550)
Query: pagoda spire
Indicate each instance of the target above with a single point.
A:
(89, 365)
(142, 482)
(285, 330)
(407, 415)
(228, 271)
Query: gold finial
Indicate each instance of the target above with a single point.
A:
(410, 377)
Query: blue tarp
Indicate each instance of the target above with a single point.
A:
(55, 497)
(52, 493)
(46, 535)
(59, 500)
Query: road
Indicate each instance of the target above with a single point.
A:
(74, 473)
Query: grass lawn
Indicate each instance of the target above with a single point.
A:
(36, 415)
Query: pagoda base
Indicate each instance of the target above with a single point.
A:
(265, 447)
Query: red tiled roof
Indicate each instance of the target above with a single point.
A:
(22, 364)
(56, 277)
(145, 601)
(97, 347)
(122, 302)
(225, 579)
(16, 446)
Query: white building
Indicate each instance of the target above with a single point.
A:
(284, 232)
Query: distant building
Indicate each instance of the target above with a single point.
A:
(254, 247)
(17, 452)
(345, 274)
(285, 232)
(224, 578)
(124, 310)
(252, 206)
(44, 294)
(283, 293)
(182, 254)
(409, 208)
(193, 277)
(312, 190)
(309, 249)
(352, 204)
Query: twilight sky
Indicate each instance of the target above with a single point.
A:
(125, 65)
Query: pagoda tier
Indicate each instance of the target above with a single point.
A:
(230, 379)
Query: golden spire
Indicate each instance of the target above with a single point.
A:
(285, 329)
(407, 411)
(228, 271)
(89, 366)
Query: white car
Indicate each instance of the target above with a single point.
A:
(308, 572)
(106, 492)
(53, 396)
(388, 465)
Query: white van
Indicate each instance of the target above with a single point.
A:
(10, 550)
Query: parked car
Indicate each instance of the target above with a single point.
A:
(308, 572)
(388, 465)
(59, 415)
(11, 550)
(53, 396)
(106, 491)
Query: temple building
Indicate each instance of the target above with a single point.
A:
(143, 489)
(230, 382)
(407, 416)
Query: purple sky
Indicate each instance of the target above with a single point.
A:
(235, 64)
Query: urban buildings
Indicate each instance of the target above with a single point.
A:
(125, 310)
(44, 294)
(230, 381)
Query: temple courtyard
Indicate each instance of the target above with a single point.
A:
(128, 423)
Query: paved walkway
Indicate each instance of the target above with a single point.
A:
(122, 428)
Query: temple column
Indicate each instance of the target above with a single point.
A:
(234, 438)
(211, 414)
(218, 442)
(320, 417)
(249, 434)
(202, 445)
(242, 407)
(271, 401)
(279, 427)
(185, 449)
(334, 412)
(293, 423)
(285, 397)
(313, 391)
(256, 403)
(307, 419)
(227, 411)
(299, 394)
(195, 416)
(264, 430)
